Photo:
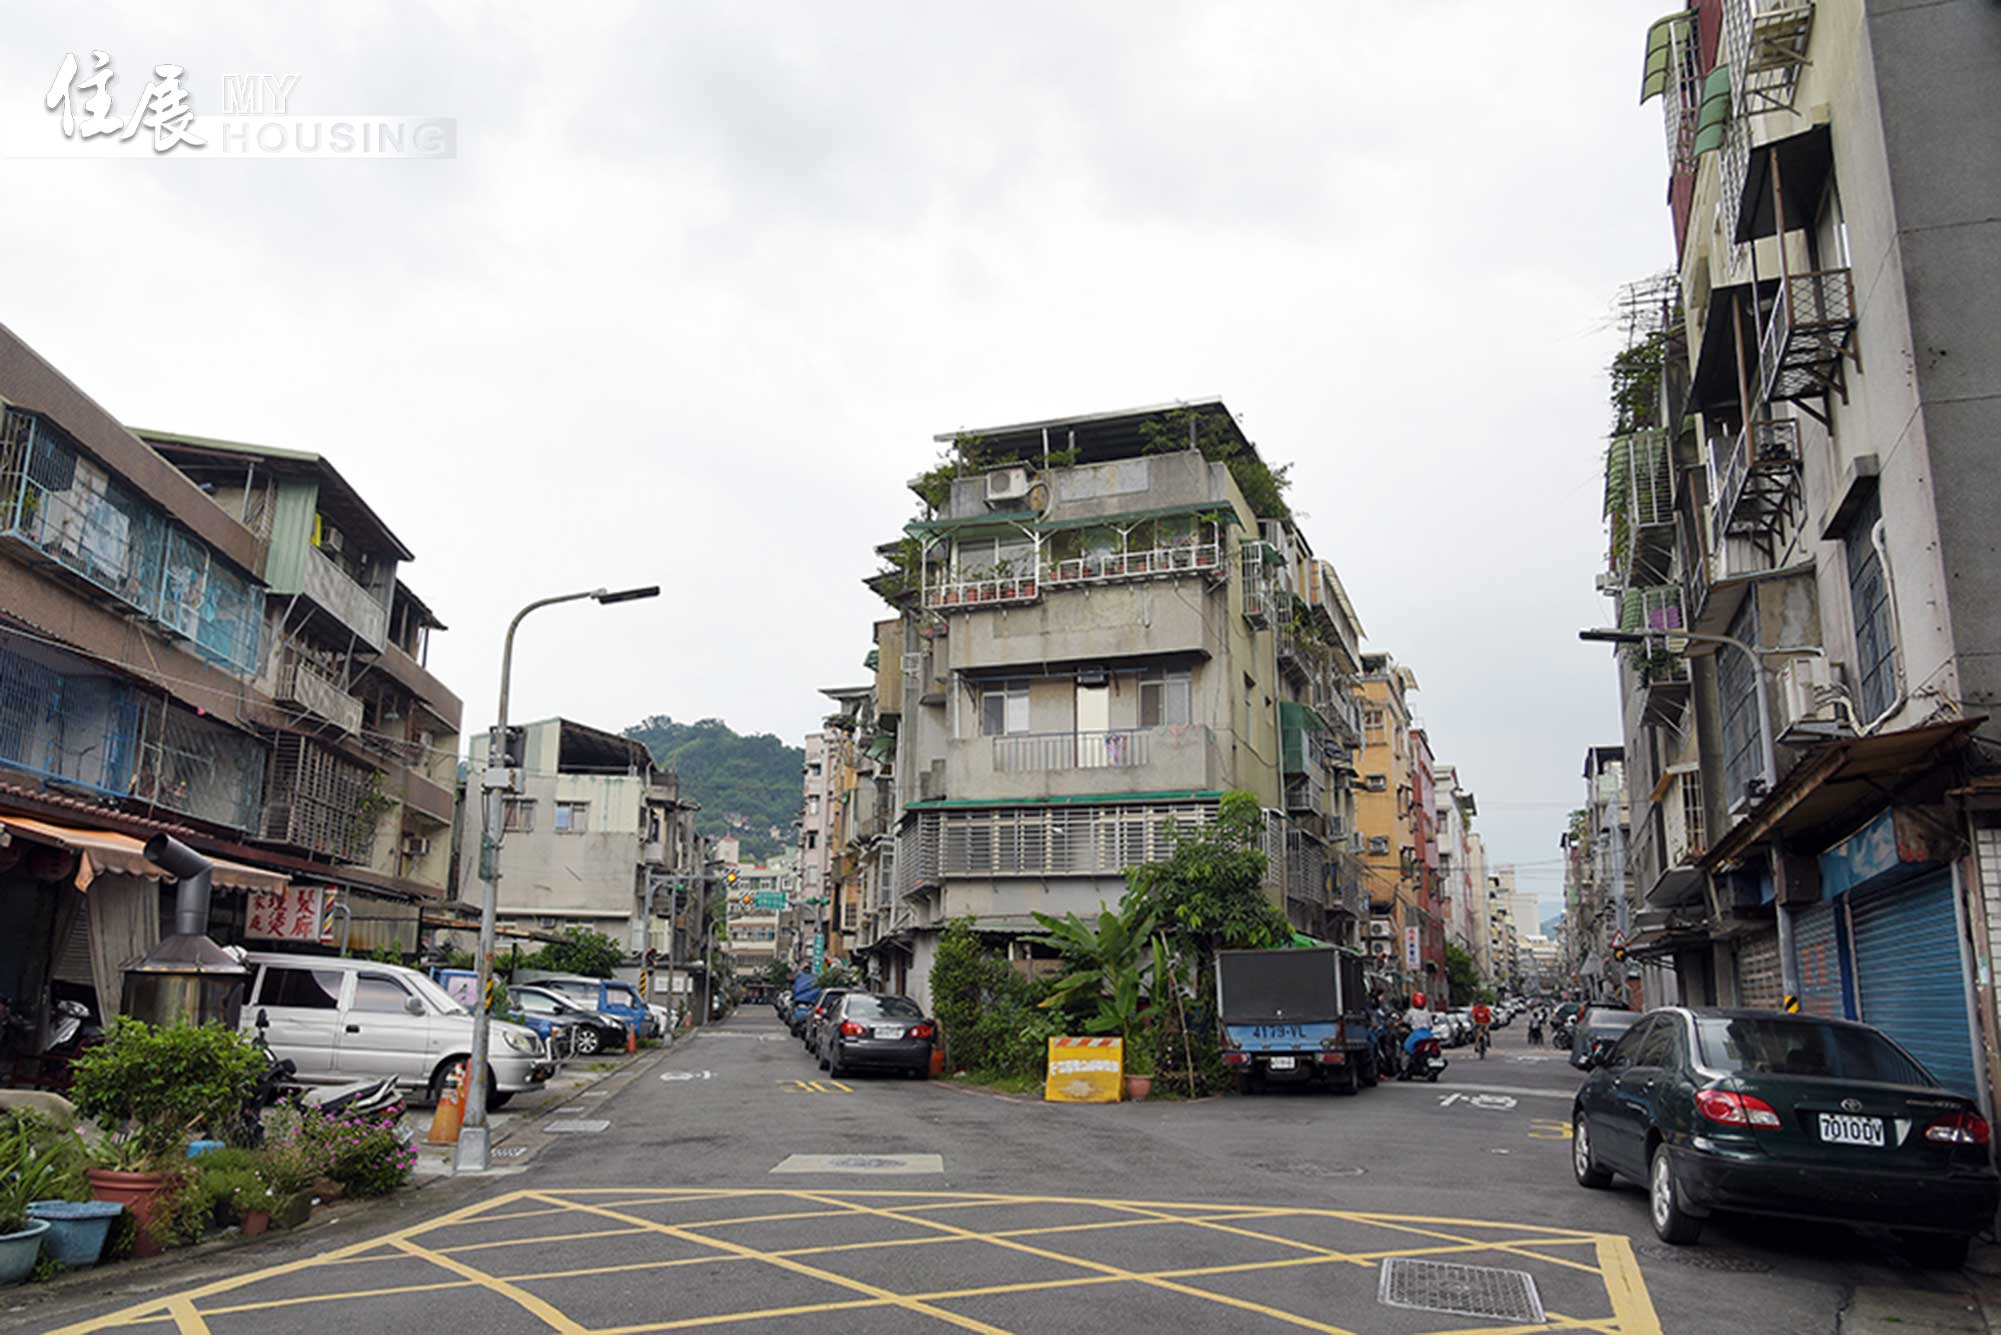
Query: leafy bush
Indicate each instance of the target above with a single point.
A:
(580, 951)
(296, 1153)
(152, 1088)
(365, 1155)
(39, 1161)
(993, 1017)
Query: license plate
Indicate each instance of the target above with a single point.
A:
(1838, 1130)
(889, 1031)
(1283, 1063)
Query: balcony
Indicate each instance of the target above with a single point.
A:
(345, 600)
(319, 800)
(983, 591)
(1764, 45)
(1182, 758)
(1333, 698)
(1154, 563)
(1811, 328)
(304, 685)
(1257, 560)
(1305, 793)
(1639, 505)
(1759, 483)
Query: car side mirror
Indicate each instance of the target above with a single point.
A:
(413, 1005)
(263, 1020)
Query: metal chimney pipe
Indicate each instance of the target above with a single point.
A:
(192, 871)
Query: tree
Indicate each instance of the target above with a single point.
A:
(580, 951)
(1464, 976)
(777, 973)
(1209, 893)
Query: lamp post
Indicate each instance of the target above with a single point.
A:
(474, 1143)
(1768, 756)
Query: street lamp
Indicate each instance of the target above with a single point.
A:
(1767, 748)
(472, 1155)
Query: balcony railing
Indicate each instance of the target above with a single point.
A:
(1120, 749)
(1177, 559)
(1758, 482)
(354, 606)
(984, 591)
(303, 684)
(1808, 333)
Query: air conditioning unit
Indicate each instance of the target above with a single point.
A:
(1379, 844)
(1376, 783)
(1008, 484)
(1804, 690)
(416, 846)
(1609, 584)
(1378, 927)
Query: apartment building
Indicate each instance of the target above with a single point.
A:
(1597, 907)
(1098, 635)
(144, 611)
(757, 903)
(1453, 822)
(1480, 907)
(1801, 492)
(1385, 814)
(600, 837)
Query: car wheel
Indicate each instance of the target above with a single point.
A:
(824, 1064)
(498, 1099)
(1582, 1163)
(1371, 1074)
(833, 1065)
(588, 1042)
(1432, 1076)
(1935, 1251)
(1672, 1224)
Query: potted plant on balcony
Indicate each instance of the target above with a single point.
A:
(150, 1090)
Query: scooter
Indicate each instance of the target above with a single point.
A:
(1425, 1059)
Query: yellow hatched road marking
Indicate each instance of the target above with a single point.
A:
(540, 1308)
(1630, 1303)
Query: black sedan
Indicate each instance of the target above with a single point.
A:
(1790, 1115)
(876, 1031)
(829, 1002)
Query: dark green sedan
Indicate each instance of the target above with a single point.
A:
(1792, 1115)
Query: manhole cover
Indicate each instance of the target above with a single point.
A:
(861, 1163)
(1707, 1258)
(577, 1126)
(510, 1151)
(1464, 1290)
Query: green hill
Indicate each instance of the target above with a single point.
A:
(747, 785)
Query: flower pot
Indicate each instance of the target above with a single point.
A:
(77, 1229)
(255, 1222)
(18, 1251)
(293, 1211)
(137, 1192)
(1138, 1087)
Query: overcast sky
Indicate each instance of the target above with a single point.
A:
(704, 280)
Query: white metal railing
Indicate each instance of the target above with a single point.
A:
(303, 683)
(335, 590)
(1174, 559)
(1124, 748)
(1080, 840)
(984, 590)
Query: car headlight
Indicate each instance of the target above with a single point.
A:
(521, 1042)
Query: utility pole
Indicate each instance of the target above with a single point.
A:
(498, 779)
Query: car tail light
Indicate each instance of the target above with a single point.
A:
(1333, 1058)
(1959, 1128)
(1732, 1109)
(853, 1029)
(921, 1031)
(1231, 1057)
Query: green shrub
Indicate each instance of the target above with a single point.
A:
(991, 1014)
(39, 1161)
(365, 1155)
(151, 1088)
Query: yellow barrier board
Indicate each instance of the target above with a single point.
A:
(1085, 1070)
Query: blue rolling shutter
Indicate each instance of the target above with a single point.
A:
(1910, 978)
(1817, 954)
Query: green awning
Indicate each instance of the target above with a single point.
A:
(1295, 721)
(1659, 74)
(881, 747)
(971, 526)
(1079, 799)
(1714, 118)
(873, 661)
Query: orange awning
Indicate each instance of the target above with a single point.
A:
(101, 851)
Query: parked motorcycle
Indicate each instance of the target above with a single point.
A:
(279, 1083)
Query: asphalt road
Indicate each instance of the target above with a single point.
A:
(676, 1202)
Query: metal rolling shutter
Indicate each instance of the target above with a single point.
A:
(1817, 953)
(72, 962)
(1759, 985)
(1910, 978)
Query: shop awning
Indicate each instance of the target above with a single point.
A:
(102, 852)
(1829, 785)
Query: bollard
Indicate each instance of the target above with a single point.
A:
(450, 1112)
(631, 1038)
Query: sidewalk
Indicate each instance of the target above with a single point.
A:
(580, 1078)
(1968, 1303)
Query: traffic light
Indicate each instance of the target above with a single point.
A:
(730, 876)
(514, 747)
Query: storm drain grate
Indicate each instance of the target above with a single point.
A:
(1464, 1290)
(577, 1126)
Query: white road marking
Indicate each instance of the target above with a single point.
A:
(861, 1163)
(1506, 1089)
(671, 1076)
(577, 1126)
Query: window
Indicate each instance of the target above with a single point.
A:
(573, 817)
(1869, 600)
(302, 989)
(379, 992)
(1165, 699)
(860, 1006)
(812, 838)
(534, 1003)
(517, 815)
(1004, 709)
(1805, 1047)
(1376, 783)
(1250, 694)
(1736, 683)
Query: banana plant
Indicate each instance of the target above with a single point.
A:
(1111, 964)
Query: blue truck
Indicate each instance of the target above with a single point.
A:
(1295, 1016)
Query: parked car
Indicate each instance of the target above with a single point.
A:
(1790, 1115)
(810, 1034)
(591, 1032)
(339, 1020)
(875, 1030)
(608, 995)
(1596, 1028)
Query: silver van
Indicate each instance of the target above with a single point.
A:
(343, 1019)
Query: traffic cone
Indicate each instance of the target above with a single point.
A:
(631, 1038)
(450, 1112)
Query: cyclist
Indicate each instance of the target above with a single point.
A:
(1483, 1019)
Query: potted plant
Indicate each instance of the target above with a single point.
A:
(150, 1090)
(34, 1164)
(1138, 1048)
(42, 1164)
